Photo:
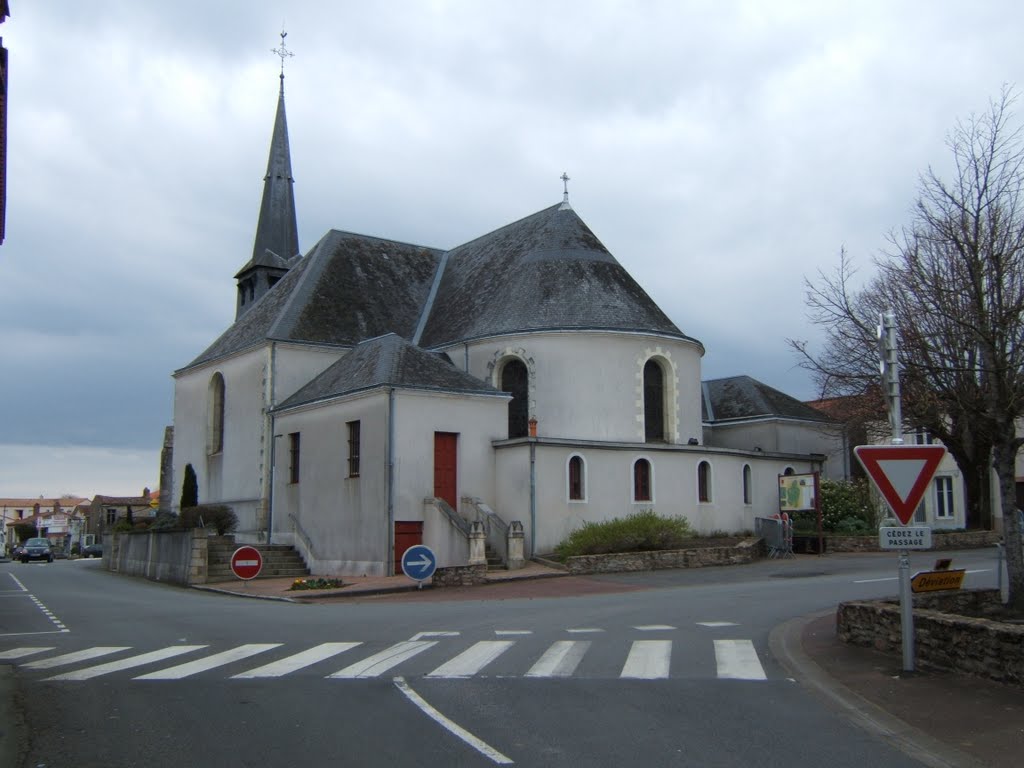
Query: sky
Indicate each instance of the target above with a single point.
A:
(724, 152)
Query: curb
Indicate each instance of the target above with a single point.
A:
(786, 644)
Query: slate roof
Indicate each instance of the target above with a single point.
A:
(388, 361)
(742, 397)
(544, 272)
(347, 289)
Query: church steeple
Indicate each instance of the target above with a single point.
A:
(276, 245)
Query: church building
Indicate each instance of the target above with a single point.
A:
(372, 394)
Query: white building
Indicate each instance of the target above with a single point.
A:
(373, 394)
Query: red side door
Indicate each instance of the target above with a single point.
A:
(445, 463)
(407, 534)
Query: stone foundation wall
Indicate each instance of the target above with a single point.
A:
(940, 541)
(460, 576)
(944, 639)
(745, 551)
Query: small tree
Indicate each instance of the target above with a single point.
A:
(189, 489)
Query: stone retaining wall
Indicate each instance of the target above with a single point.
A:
(944, 638)
(460, 576)
(940, 541)
(745, 551)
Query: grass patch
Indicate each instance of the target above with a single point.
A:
(640, 532)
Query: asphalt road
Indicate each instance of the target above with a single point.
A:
(666, 668)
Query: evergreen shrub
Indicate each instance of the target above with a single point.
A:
(640, 532)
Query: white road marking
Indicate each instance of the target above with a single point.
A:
(872, 581)
(648, 660)
(737, 660)
(71, 658)
(473, 659)
(201, 665)
(421, 635)
(717, 624)
(560, 660)
(130, 663)
(298, 661)
(654, 628)
(18, 653)
(452, 727)
(584, 631)
(18, 582)
(385, 660)
(510, 632)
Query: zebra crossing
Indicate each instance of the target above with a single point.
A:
(645, 659)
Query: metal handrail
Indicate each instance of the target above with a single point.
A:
(306, 540)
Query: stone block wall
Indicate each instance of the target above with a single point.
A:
(944, 638)
(745, 551)
(940, 541)
(460, 576)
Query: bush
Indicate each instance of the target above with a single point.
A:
(846, 507)
(640, 532)
(165, 520)
(218, 516)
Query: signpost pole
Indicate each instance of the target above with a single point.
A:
(906, 612)
(890, 369)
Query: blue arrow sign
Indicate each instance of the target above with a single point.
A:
(419, 562)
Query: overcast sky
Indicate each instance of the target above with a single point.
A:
(722, 152)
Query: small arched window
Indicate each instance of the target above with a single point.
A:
(515, 381)
(654, 403)
(789, 471)
(215, 438)
(577, 479)
(746, 484)
(704, 482)
(642, 486)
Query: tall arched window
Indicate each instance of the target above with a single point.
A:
(746, 484)
(642, 486)
(515, 380)
(215, 433)
(704, 482)
(654, 403)
(577, 479)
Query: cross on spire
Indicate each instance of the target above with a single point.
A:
(565, 193)
(284, 53)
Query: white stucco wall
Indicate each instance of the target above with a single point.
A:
(609, 487)
(786, 436)
(235, 476)
(589, 384)
(344, 519)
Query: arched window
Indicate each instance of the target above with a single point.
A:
(654, 403)
(515, 381)
(215, 432)
(704, 482)
(746, 484)
(789, 471)
(643, 488)
(577, 479)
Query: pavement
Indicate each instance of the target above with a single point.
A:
(942, 720)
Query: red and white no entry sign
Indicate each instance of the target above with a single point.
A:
(247, 562)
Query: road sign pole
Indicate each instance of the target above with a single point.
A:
(906, 613)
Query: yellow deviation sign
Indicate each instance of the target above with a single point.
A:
(934, 581)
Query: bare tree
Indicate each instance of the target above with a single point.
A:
(954, 278)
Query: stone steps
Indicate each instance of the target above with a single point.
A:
(279, 561)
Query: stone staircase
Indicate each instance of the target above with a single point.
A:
(494, 561)
(279, 561)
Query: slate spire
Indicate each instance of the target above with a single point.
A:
(276, 246)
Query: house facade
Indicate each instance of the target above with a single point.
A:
(373, 393)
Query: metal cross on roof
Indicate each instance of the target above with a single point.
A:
(565, 182)
(283, 52)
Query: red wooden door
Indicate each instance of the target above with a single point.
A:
(407, 534)
(445, 463)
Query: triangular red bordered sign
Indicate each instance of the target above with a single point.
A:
(901, 473)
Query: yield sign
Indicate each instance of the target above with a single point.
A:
(901, 473)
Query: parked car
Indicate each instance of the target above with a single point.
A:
(92, 550)
(18, 551)
(36, 549)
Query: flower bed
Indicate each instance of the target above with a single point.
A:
(317, 583)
